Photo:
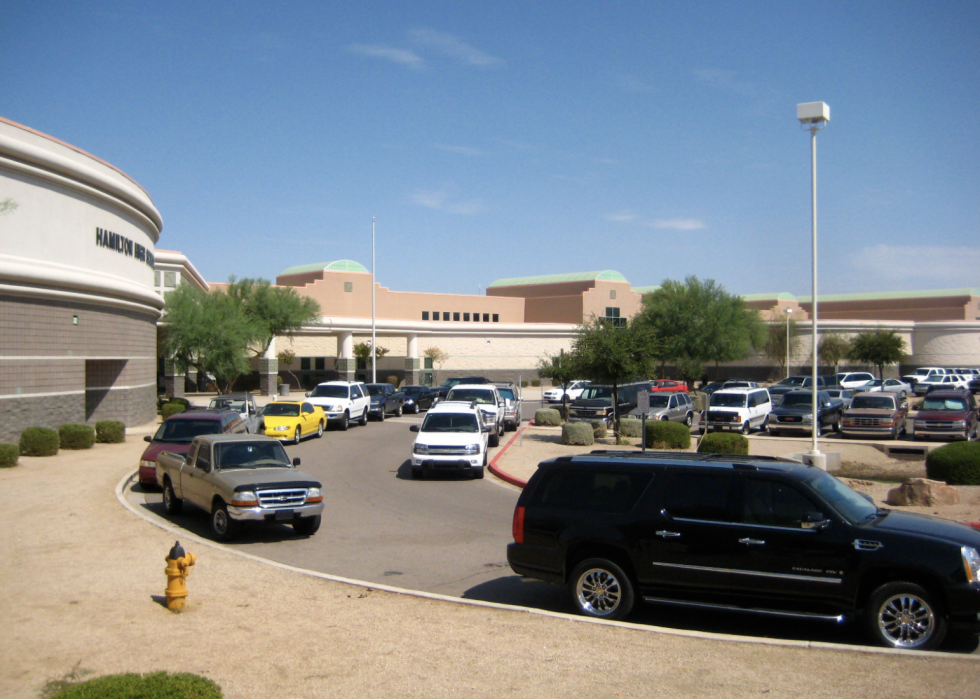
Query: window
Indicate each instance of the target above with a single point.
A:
(612, 294)
(435, 315)
(304, 363)
(348, 287)
(774, 505)
(704, 496)
(486, 317)
(496, 317)
(445, 315)
(156, 279)
(456, 317)
(592, 491)
(427, 363)
(320, 363)
(476, 317)
(170, 279)
(466, 317)
(425, 315)
(612, 316)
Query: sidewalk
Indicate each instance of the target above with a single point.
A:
(83, 580)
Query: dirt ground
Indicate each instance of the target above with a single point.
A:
(83, 579)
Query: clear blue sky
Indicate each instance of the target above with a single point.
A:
(503, 139)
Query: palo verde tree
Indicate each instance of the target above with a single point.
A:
(613, 355)
(560, 368)
(696, 322)
(878, 347)
(273, 311)
(832, 348)
(362, 350)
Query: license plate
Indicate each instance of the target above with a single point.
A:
(284, 514)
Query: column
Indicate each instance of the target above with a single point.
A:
(173, 379)
(413, 363)
(269, 371)
(346, 362)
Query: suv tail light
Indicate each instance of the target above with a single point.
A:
(518, 526)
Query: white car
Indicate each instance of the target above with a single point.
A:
(572, 389)
(342, 401)
(853, 379)
(943, 381)
(890, 385)
(454, 437)
(488, 400)
(923, 372)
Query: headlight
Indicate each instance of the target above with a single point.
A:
(245, 498)
(808, 417)
(334, 408)
(472, 448)
(314, 495)
(971, 563)
(144, 463)
(408, 401)
(280, 428)
(421, 448)
(958, 423)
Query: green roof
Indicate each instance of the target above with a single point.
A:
(876, 296)
(644, 289)
(606, 275)
(338, 266)
(769, 297)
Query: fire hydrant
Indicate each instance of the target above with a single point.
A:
(178, 568)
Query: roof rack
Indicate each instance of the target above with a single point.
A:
(738, 459)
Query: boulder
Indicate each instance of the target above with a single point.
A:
(922, 492)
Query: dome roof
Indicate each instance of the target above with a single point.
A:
(336, 266)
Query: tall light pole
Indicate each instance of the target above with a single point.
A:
(787, 311)
(374, 316)
(814, 116)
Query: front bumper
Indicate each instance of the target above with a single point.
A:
(269, 514)
(148, 475)
(447, 463)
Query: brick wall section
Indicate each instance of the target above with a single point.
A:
(54, 371)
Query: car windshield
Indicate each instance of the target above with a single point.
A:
(183, 431)
(934, 403)
(728, 400)
(412, 390)
(872, 384)
(797, 400)
(507, 393)
(237, 405)
(792, 381)
(851, 505)
(475, 395)
(375, 389)
(449, 383)
(596, 392)
(251, 455)
(659, 400)
(450, 422)
(281, 410)
(329, 392)
(873, 402)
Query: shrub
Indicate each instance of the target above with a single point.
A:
(524, 384)
(393, 380)
(957, 463)
(183, 401)
(8, 455)
(535, 382)
(169, 409)
(577, 433)
(76, 436)
(723, 443)
(110, 432)
(598, 428)
(667, 435)
(630, 427)
(39, 441)
(548, 417)
(159, 685)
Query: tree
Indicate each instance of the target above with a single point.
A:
(558, 367)
(274, 311)
(832, 348)
(696, 322)
(878, 347)
(436, 355)
(286, 358)
(775, 347)
(362, 350)
(611, 355)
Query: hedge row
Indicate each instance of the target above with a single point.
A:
(957, 463)
(723, 443)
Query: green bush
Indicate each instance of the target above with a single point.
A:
(598, 428)
(8, 455)
(957, 463)
(723, 443)
(577, 433)
(547, 417)
(667, 435)
(169, 409)
(155, 685)
(39, 441)
(110, 432)
(163, 400)
(74, 436)
(524, 384)
(536, 382)
(630, 427)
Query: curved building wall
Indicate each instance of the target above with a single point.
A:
(78, 311)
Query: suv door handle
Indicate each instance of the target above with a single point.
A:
(667, 535)
(752, 542)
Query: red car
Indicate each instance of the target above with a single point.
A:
(176, 433)
(667, 385)
(950, 414)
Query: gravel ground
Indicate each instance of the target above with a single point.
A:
(83, 581)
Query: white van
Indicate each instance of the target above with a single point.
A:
(738, 410)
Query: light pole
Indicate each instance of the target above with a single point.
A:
(374, 316)
(787, 311)
(814, 116)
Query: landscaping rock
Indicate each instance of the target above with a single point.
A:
(924, 493)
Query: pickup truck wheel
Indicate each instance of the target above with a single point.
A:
(364, 418)
(601, 589)
(381, 414)
(903, 615)
(478, 473)
(836, 426)
(494, 440)
(398, 410)
(223, 526)
(344, 422)
(172, 505)
(319, 430)
(306, 526)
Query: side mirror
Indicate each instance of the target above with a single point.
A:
(815, 520)
(307, 394)
(296, 462)
(415, 428)
(488, 428)
(148, 438)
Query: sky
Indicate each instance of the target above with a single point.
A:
(490, 140)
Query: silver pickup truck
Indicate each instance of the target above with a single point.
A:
(240, 478)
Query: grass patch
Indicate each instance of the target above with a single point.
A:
(155, 685)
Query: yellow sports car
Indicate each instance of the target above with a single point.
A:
(293, 420)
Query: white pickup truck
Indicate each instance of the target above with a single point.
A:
(240, 478)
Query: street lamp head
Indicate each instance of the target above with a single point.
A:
(787, 310)
(813, 115)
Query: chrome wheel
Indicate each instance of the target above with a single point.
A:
(601, 589)
(297, 436)
(319, 430)
(903, 616)
(223, 526)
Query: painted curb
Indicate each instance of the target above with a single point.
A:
(499, 472)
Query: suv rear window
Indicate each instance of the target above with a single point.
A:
(329, 392)
(477, 395)
(450, 422)
(183, 431)
(592, 491)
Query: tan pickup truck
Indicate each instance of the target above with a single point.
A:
(240, 478)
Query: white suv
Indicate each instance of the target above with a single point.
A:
(342, 401)
(452, 437)
(488, 400)
(738, 410)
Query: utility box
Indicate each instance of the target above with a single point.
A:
(813, 112)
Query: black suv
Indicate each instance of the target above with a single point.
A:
(751, 534)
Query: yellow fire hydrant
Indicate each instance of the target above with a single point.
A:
(178, 568)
